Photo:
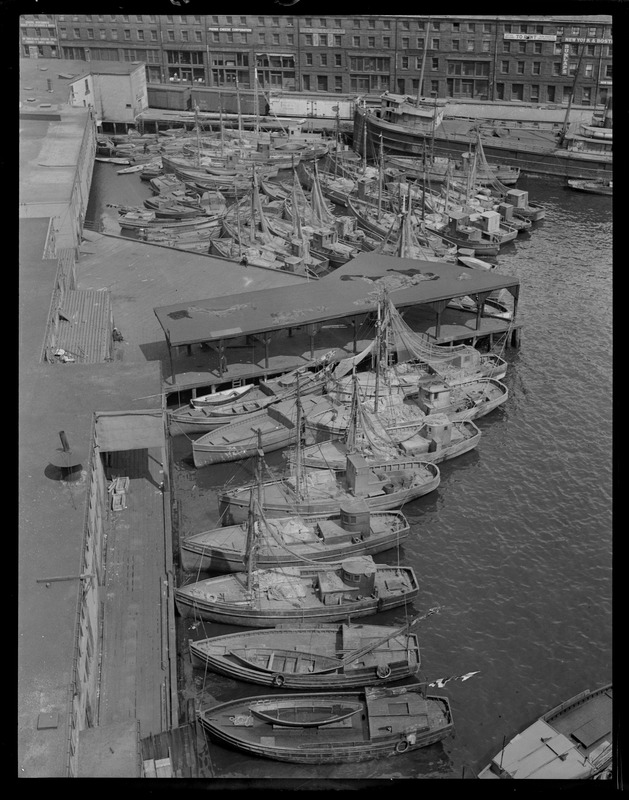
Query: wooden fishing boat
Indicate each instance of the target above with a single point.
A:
(601, 186)
(308, 379)
(435, 438)
(331, 728)
(286, 541)
(222, 397)
(435, 395)
(314, 657)
(383, 485)
(269, 429)
(129, 170)
(571, 741)
(436, 170)
(316, 593)
(490, 308)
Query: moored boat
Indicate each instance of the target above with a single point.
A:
(601, 186)
(285, 541)
(571, 741)
(314, 657)
(331, 728)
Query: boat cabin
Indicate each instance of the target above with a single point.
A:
(420, 114)
(489, 221)
(506, 212)
(433, 395)
(390, 715)
(518, 198)
(355, 578)
(435, 435)
(354, 524)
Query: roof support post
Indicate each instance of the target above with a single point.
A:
(480, 306)
(354, 348)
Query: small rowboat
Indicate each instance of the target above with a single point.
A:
(317, 712)
(224, 396)
(128, 170)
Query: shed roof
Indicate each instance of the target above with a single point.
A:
(348, 291)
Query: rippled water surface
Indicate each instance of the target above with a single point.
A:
(516, 543)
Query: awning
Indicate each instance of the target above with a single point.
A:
(129, 431)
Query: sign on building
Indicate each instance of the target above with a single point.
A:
(564, 59)
(533, 37)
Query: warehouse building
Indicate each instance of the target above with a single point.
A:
(514, 58)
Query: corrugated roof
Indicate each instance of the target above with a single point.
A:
(347, 291)
(84, 330)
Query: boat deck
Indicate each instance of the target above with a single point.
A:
(587, 722)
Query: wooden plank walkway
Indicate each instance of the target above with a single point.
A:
(134, 667)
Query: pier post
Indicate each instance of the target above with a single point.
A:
(515, 338)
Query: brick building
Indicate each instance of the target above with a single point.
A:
(481, 57)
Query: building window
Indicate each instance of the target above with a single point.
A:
(357, 23)
(470, 45)
(309, 22)
(609, 50)
(435, 64)
(486, 27)
(371, 41)
(323, 40)
(537, 48)
(138, 17)
(435, 25)
(406, 42)
(338, 40)
(308, 59)
(306, 81)
(589, 49)
(215, 19)
(140, 35)
(435, 44)
(198, 35)
(171, 36)
(418, 62)
(338, 60)
(261, 38)
(589, 70)
(230, 20)
(539, 29)
(471, 27)
(63, 33)
(309, 40)
(507, 28)
(323, 59)
(289, 22)
(500, 91)
(586, 95)
(356, 41)
(575, 31)
(127, 35)
(572, 68)
(421, 26)
(322, 83)
(521, 47)
(290, 38)
(102, 33)
(536, 68)
(574, 49)
(559, 31)
(276, 38)
(520, 68)
(371, 23)
(556, 68)
(386, 23)
(230, 36)
(114, 34)
(196, 18)
(406, 24)
(550, 91)
(591, 31)
(404, 62)
(338, 83)
(506, 47)
(90, 33)
(456, 45)
(243, 20)
(420, 44)
(608, 71)
(517, 91)
(456, 26)
(504, 67)
(485, 45)
(434, 87)
(275, 21)
(557, 48)
(77, 33)
(323, 22)
(260, 20)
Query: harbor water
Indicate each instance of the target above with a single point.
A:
(515, 545)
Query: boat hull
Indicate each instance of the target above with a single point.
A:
(397, 659)
(399, 140)
(352, 742)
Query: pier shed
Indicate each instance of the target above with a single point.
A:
(348, 296)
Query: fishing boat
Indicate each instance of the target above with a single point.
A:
(434, 438)
(491, 307)
(332, 727)
(314, 657)
(601, 186)
(571, 741)
(523, 207)
(353, 531)
(110, 160)
(436, 169)
(129, 170)
(270, 429)
(382, 485)
(435, 395)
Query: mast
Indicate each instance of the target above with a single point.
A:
(338, 138)
(255, 86)
(350, 441)
(365, 141)
(255, 504)
(380, 180)
(220, 111)
(564, 128)
(420, 88)
(196, 125)
(378, 348)
(432, 137)
(298, 464)
(239, 114)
